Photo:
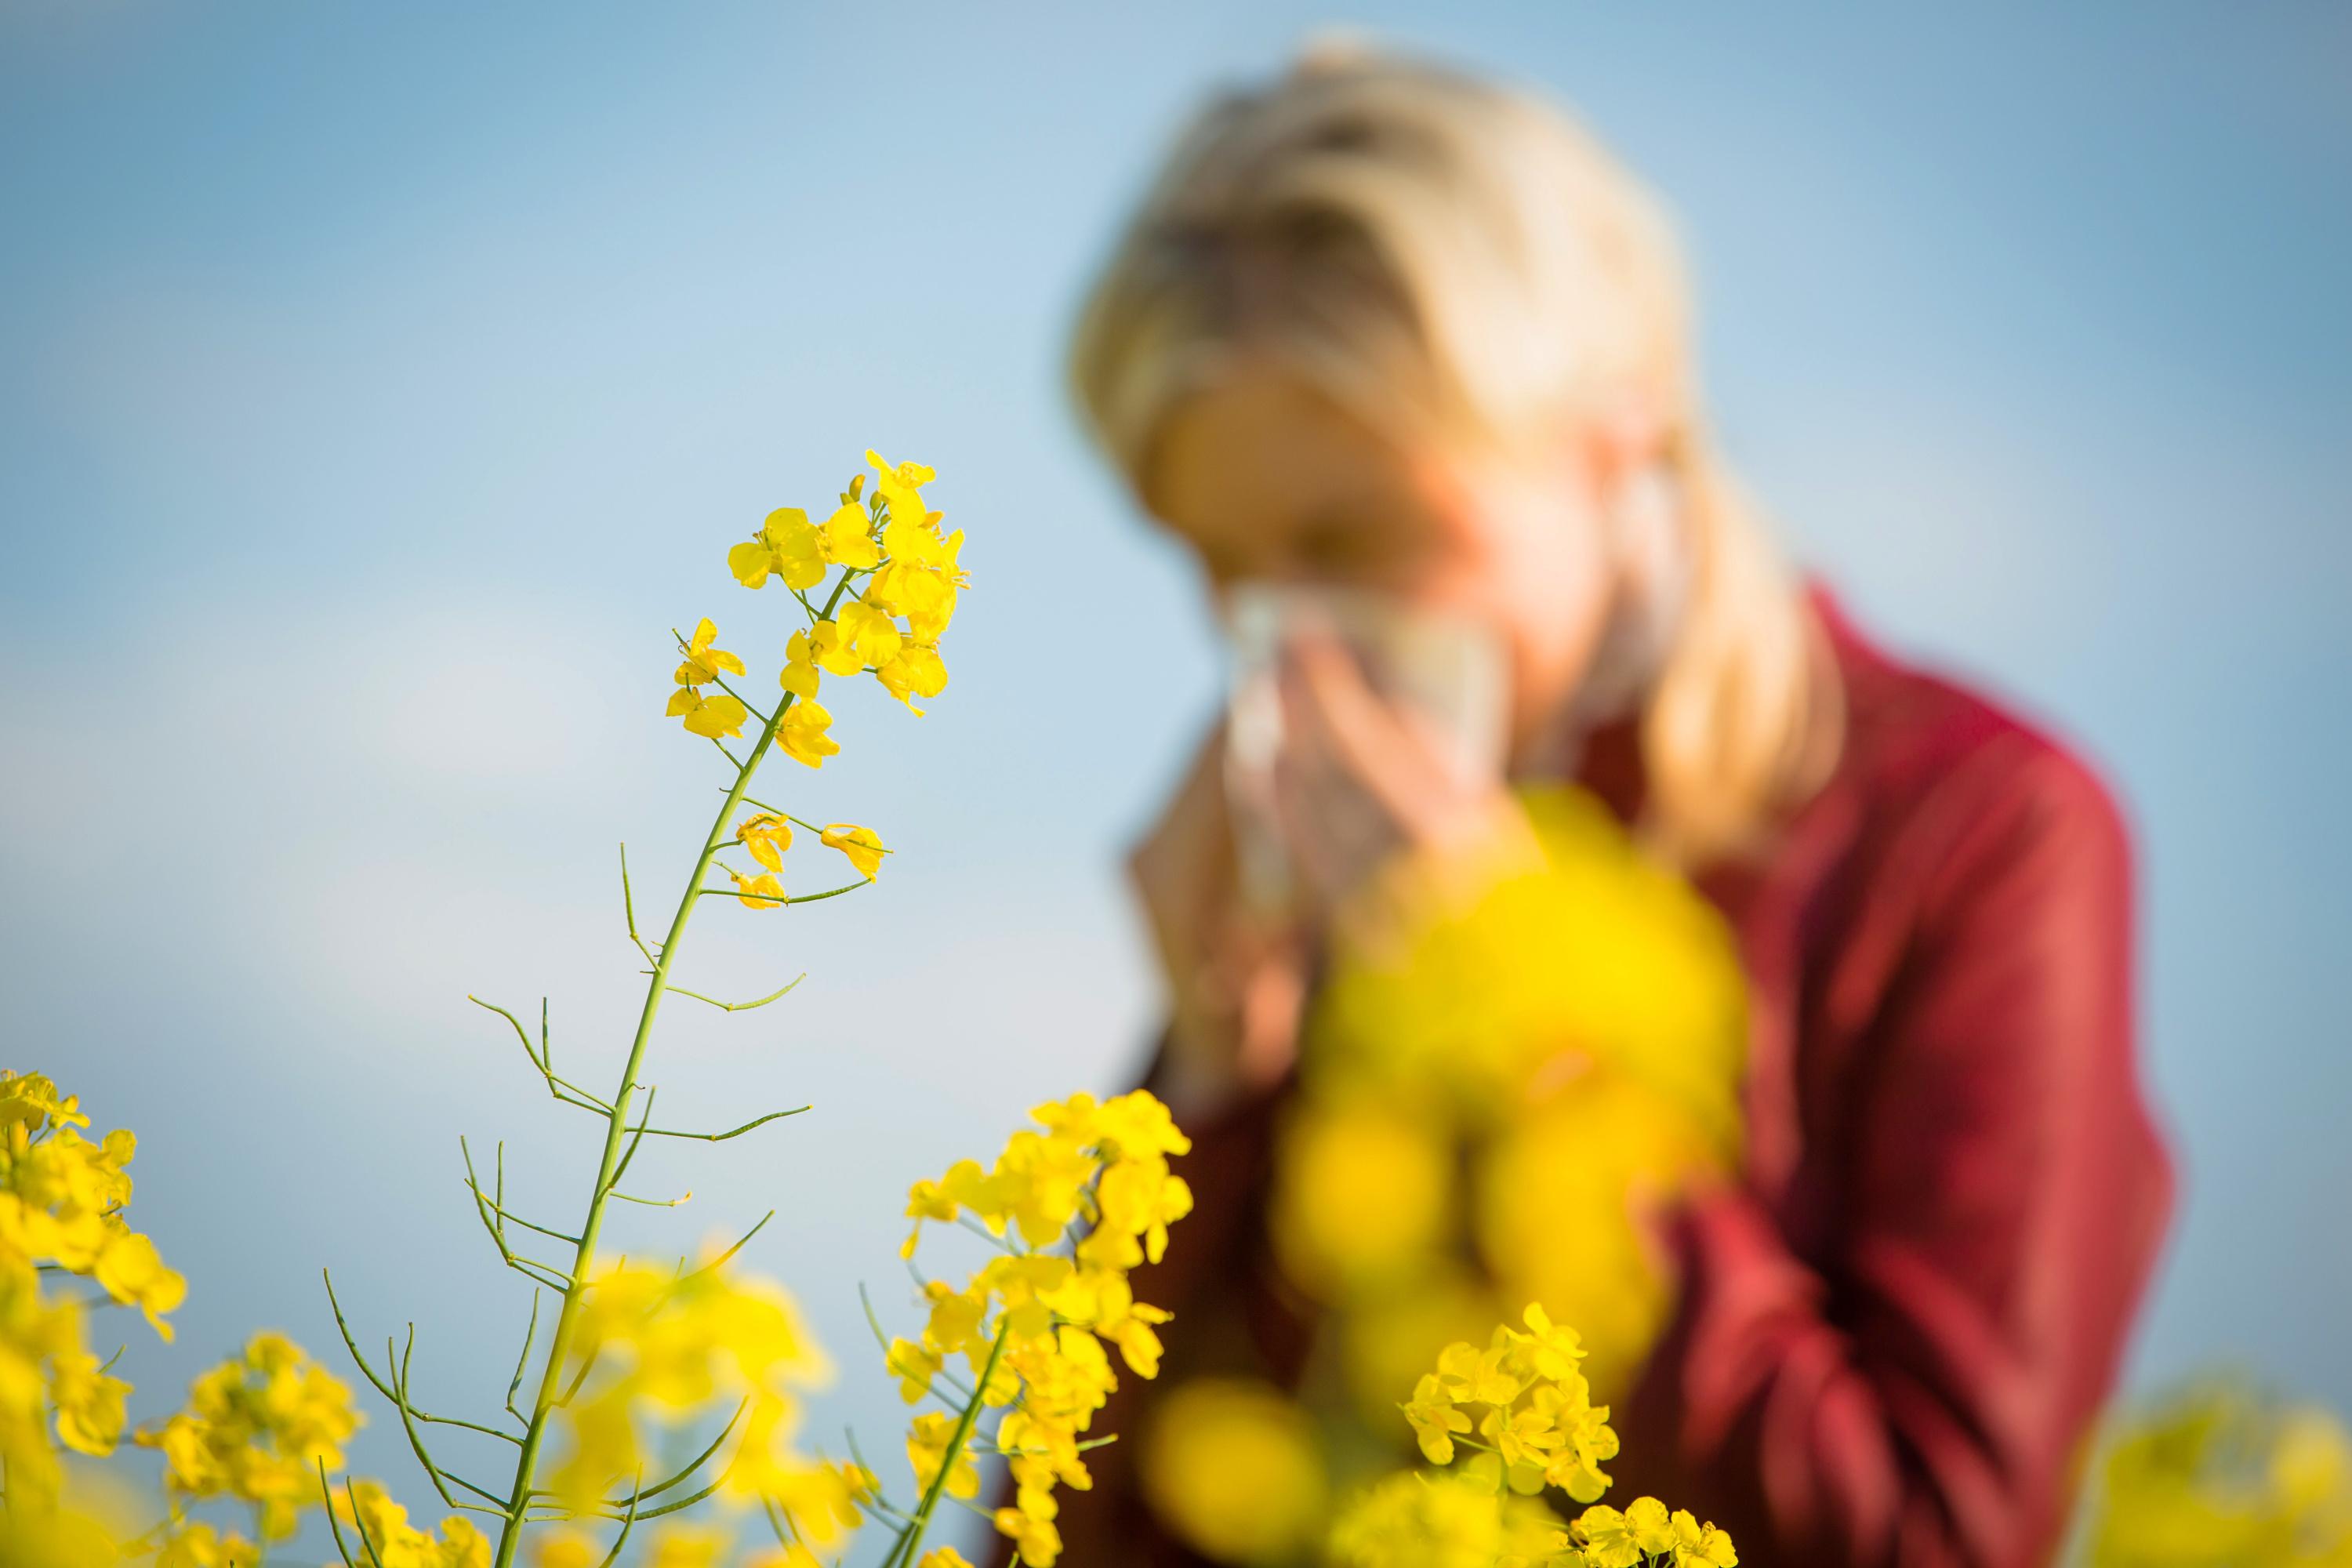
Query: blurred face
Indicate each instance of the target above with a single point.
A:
(1268, 479)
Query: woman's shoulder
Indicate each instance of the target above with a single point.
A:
(1945, 780)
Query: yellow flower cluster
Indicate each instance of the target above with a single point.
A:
(391, 1542)
(62, 1201)
(2220, 1474)
(255, 1430)
(1443, 1520)
(899, 581)
(1487, 1084)
(1539, 1418)
(1536, 1426)
(1034, 1325)
(658, 1349)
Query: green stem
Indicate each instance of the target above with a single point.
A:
(616, 1130)
(911, 1540)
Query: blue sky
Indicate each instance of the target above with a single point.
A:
(378, 386)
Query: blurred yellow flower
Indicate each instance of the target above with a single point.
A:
(2218, 1473)
(926, 1445)
(1032, 1533)
(255, 1428)
(687, 1546)
(1234, 1467)
(1363, 1186)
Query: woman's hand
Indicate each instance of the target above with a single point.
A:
(1237, 983)
(1361, 781)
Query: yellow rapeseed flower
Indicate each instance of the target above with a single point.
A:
(714, 718)
(870, 633)
(926, 1445)
(916, 669)
(849, 538)
(1033, 1536)
(801, 733)
(862, 846)
(787, 545)
(703, 661)
(767, 836)
(763, 891)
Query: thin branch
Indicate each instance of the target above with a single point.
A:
(498, 1203)
(546, 1274)
(433, 1471)
(643, 1492)
(360, 1525)
(514, 1385)
(739, 1006)
(652, 1202)
(765, 718)
(638, 1137)
(794, 897)
(988, 1236)
(351, 1344)
(327, 1495)
(721, 1260)
(629, 1524)
(629, 906)
(722, 1137)
(561, 1088)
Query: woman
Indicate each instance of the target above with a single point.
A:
(1383, 326)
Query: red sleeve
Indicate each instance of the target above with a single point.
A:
(1920, 1396)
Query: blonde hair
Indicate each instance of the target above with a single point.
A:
(1447, 255)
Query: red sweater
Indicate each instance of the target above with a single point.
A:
(1896, 1330)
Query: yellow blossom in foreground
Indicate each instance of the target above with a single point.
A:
(1033, 1536)
(30, 1099)
(926, 1445)
(656, 1351)
(391, 1541)
(849, 538)
(1079, 1199)
(801, 734)
(688, 1546)
(762, 891)
(566, 1547)
(255, 1430)
(799, 675)
(767, 836)
(829, 648)
(870, 633)
(1539, 1430)
(1233, 1466)
(787, 546)
(713, 718)
(942, 1557)
(1441, 1520)
(2219, 1472)
(914, 670)
(862, 846)
(703, 661)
